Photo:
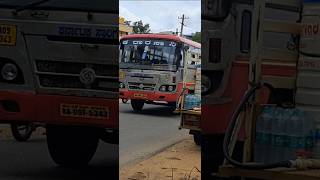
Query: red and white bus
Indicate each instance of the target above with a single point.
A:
(151, 68)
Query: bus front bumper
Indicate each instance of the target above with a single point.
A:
(149, 96)
(56, 109)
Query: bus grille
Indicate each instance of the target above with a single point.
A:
(57, 74)
(141, 86)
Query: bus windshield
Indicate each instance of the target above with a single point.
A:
(150, 52)
(68, 5)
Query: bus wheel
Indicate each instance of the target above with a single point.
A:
(21, 132)
(172, 107)
(137, 105)
(72, 146)
(110, 136)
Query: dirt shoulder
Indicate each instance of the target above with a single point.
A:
(179, 162)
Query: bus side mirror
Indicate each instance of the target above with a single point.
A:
(216, 9)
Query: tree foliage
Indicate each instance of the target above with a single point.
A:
(197, 37)
(140, 28)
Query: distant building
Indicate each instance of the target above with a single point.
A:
(188, 36)
(124, 27)
(171, 32)
(167, 32)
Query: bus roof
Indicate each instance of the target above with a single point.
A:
(163, 36)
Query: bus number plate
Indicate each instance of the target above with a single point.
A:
(140, 95)
(84, 111)
(8, 35)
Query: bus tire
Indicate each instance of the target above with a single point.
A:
(172, 106)
(21, 132)
(137, 105)
(110, 136)
(71, 146)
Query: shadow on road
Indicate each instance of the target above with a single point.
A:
(31, 161)
(162, 111)
(93, 172)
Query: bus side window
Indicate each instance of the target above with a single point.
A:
(178, 57)
(245, 31)
(180, 60)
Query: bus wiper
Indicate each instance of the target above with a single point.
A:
(28, 6)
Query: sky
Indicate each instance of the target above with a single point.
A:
(162, 15)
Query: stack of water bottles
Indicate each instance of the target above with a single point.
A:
(191, 101)
(316, 147)
(284, 134)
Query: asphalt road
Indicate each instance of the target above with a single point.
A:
(31, 161)
(146, 133)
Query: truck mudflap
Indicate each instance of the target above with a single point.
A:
(56, 109)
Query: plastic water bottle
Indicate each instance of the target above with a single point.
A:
(294, 131)
(187, 102)
(307, 133)
(278, 136)
(288, 131)
(316, 147)
(198, 101)
(263, 127)
(193, 101)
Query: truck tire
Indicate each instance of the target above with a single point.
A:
(212, 155)
(197, 139)
(137, 105)
(72, 146)
(21, 132)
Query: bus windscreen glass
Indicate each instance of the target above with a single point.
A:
(150, 52)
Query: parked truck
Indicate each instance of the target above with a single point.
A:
(59, 67)
(189, 107)
(261, 108)
(226, 71)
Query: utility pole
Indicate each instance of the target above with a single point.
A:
(182, 23)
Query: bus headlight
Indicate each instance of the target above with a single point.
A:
(205, 84)
(163, 88)
(167, 88)
(9, 72)
(121, 85)
(170, 88)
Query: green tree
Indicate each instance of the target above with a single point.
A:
(197, 37)
(140, 28)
